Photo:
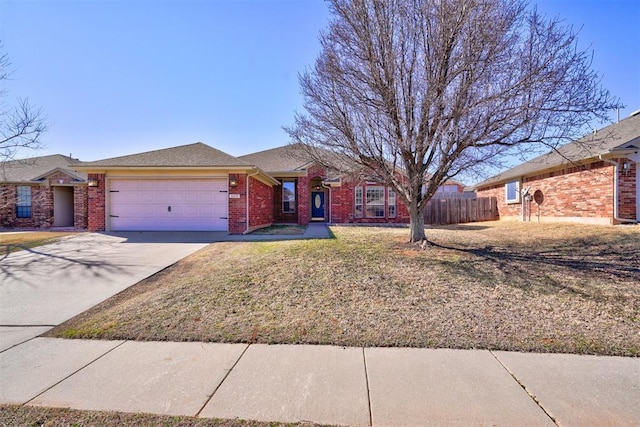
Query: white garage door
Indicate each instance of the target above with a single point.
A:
(168, 205)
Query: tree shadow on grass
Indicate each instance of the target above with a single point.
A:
(591, 268)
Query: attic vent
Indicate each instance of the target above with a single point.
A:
(635, 113)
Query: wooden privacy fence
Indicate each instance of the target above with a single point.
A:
(457, 211)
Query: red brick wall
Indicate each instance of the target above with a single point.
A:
(627, 191)
(42, 204)
(80, 206)
(96, 203)
(278, 215)
(343, 201)
(238, 206)
(41, 207)
(582, 192)
(260, 203)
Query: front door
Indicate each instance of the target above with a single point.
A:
(317, 206)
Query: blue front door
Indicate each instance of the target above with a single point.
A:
(317, 206)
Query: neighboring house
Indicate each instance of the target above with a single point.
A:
(592, 180)
(42, 192)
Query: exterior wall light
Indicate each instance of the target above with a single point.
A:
(92, 183)
(233, 183)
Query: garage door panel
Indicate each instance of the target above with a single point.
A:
(144, 205)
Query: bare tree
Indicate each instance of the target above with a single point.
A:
(417, 92)
(21, 125)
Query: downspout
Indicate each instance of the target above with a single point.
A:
(247, 231)
(328, 187)
(616, 165)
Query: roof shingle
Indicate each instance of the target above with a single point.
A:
(192, 155)
(28, 170)
(590, 146)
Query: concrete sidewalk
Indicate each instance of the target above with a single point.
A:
(324, 384)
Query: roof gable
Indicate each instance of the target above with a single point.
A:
(288, 158)
(37, 168)
(616, 137)
(192, 155)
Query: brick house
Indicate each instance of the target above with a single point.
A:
(592, 180)
(42, 192)
(309, 192)
(199, 188)
(196, 187)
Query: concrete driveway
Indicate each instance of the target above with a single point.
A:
(42, 287)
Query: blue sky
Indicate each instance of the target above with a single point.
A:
(121, 77)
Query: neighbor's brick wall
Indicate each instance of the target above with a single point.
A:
(80, 206)
(96, 203)
(42, 204)
(584, 191)
(238, 207)
(260, 203)
(627, 191)
(41, 207)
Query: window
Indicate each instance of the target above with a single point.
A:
(358, 203)
(391, 208)
(23, 202)
(288, 196)
(512, 192)
(375, 202)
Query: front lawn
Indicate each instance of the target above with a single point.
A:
(508, 286)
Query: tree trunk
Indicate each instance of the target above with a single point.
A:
(416, 218)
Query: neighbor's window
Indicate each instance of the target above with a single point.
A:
(23, 202)
(288, 196)
(447, 188)
(512, 191)
(358, 202)
(375, 202)
(391, 208)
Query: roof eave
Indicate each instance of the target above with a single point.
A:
(102, 168)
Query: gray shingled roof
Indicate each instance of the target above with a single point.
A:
(192, 155)
(289, 158)
(29, 170)
(624, 134)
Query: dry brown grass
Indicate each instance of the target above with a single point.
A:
(509, 286)
(13, 415)
(13, 242)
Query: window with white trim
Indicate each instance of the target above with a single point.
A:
(391, 202)
(23, 202)
(288, 196)
(358, 205)
(375, 202)
(512, 191)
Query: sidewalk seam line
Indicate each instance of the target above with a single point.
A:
(366, 377)
(221, 382)
(521, 384)
(22, 342)
(74, 372)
